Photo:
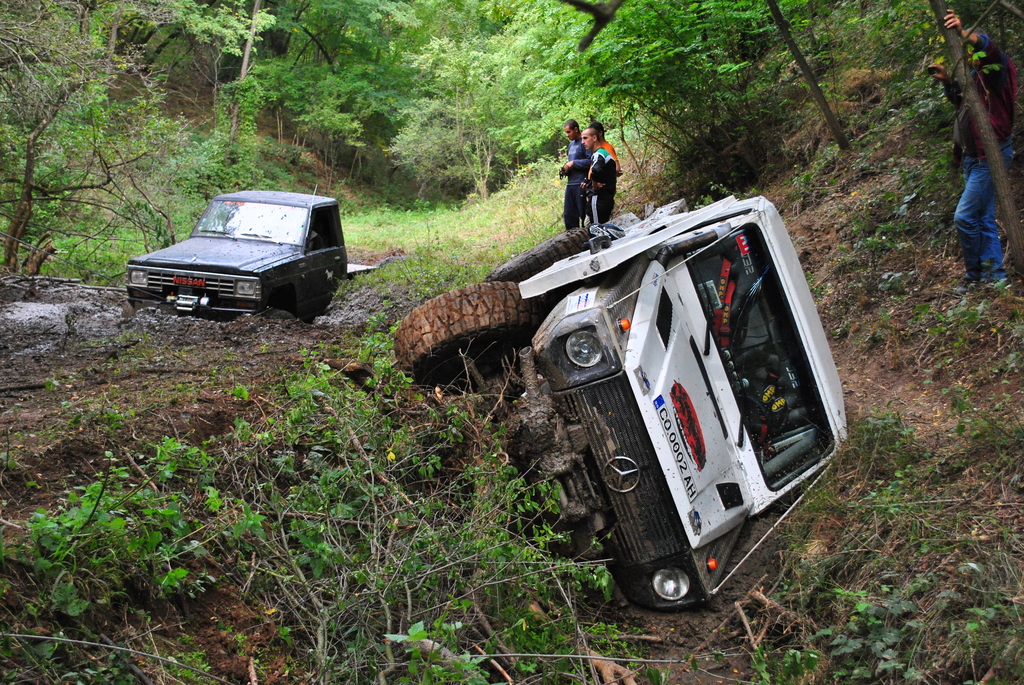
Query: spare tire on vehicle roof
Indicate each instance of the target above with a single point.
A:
(485, 323)
(530, 263)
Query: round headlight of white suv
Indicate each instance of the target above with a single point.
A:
(671, 583)
(137, 277)
(245, 288)
(583, 349)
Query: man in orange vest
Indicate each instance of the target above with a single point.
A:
(599, 127)
(601, 180)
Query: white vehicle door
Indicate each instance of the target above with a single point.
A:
(695, 429)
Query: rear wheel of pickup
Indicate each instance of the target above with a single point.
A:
(465, 336)
(536, 259)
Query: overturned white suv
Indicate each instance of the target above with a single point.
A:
(679, 383)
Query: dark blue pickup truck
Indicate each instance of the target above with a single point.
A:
(249, 252)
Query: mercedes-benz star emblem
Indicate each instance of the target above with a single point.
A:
(621, 474)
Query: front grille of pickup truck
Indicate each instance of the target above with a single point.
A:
(221, 285)
(648, 525)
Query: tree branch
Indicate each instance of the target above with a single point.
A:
(320, 46)
(1013, 9)
(603, 13)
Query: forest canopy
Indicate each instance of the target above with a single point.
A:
(119, 118)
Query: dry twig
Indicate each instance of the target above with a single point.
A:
(993, 672)
(496, 665)
(653, 639)
(746, 625)
(779, 609)
(252, 672)
(610, 671)
(136, 671)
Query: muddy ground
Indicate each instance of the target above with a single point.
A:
(60, 345)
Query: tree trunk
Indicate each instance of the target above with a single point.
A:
(248, 42)
(23, 212)
(485, 172)
(1006, 207)
(245, 65)
(18, 225)
(115, 25)
(34, 262)
(819, 97)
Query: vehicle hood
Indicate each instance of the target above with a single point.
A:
(219, 254)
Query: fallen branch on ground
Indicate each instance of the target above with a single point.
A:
(993, 672)
(496, 666)
(779, 609)
(746, 625)
(24, 386)
(610, 671)
(629, 638)
(116, 648)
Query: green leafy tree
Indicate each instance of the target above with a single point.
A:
(466, 128)
(699, 80)
(73, 155)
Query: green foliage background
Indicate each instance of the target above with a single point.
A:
(141, 115)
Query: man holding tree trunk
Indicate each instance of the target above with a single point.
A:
(995, 76)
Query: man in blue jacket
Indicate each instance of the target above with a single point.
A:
(576, 169)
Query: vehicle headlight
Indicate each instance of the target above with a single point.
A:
(138, 277)
(578, 348)
(583, 349)
(671, 583)
(245, 288)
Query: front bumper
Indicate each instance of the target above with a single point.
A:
(191, 304)
(193, 292)
(648, 533)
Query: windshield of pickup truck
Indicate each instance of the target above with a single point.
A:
(252, 221)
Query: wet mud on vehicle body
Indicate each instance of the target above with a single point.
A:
(682, 386)
(249, 252)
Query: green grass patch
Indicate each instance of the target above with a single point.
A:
(909, 557)
(481, 234)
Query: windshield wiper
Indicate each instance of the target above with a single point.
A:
(257, 235)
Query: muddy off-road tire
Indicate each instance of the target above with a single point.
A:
(530, 263)
(276, 314)
(486, 323)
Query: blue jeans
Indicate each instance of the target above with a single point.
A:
(574, 208)
(975, 219)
